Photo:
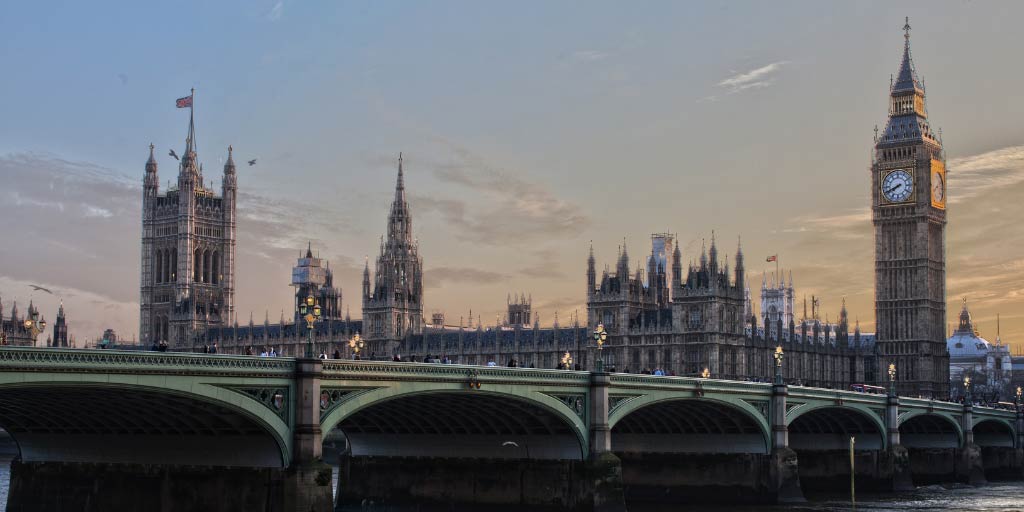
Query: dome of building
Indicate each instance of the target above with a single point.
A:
(965, 341)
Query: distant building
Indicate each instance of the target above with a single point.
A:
(519, 310)
(989, 365)
(313, 276)
(15, 331)
(60, 330)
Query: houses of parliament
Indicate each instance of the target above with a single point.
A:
(659, 313)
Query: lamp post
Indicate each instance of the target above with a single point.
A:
(600, 336)
(309, 309)
(778, 365)
(967, 390)
(34, 326)
(567, 361)
(356, 344)
(1016, 401)
(706, 374)
(892, 379)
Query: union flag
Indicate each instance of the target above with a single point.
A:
(185, 102)
(772, 258)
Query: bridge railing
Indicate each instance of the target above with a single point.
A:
(118, 361)
(348, 369)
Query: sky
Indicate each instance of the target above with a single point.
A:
(529, 131)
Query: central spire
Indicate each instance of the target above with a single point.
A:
(906, 78)
(399, 221)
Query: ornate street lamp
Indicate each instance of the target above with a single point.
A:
(309, 309)
(892, 379)
(1017, 401)
(35, 326)
(600, 336)
(567, 361)
(778, 365)
(356, 344)
(706, 374)
(967, 390)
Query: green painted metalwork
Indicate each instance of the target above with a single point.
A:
(264, 388)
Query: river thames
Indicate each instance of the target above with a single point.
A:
(995, 497)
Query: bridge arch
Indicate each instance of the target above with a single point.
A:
(830, 426)
(410, 419)
(667, 424)
(994, 432)
(923, 429)
(167, 420)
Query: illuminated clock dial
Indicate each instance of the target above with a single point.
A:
(938, 188)
(897, 186)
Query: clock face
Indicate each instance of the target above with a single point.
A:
(938, 188)
(897, 186)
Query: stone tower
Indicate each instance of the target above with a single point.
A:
(188, 251)
(908, 191)
(394, 308)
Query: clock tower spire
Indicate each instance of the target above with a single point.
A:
(908, 191)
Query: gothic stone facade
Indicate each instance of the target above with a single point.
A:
(908, 191)
(188, 252)
(393, 309)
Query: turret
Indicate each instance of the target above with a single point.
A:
(713, 256)
(591, 272)
(623, 269)
(740, 278)
(366, 281)
(151, 181)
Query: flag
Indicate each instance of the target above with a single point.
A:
(185, 102)
(772, 258)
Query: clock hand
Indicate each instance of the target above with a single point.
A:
(893, 188)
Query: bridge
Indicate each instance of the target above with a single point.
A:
(109, 430)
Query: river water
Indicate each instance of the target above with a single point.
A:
(995, 497)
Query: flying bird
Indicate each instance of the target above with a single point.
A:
(40, 288)
(510, 443)
(175, 155)
(252, 162)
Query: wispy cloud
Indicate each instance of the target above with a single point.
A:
(590, 55)
(276, 11)
(973, 175)
(763, 76)
(510, 209)
(437, 276)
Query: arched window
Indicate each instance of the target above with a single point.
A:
(197, 262)
(159, 267)
(206, 266)
(215, 271)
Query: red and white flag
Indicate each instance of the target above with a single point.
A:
(773, 257)
(185, 102)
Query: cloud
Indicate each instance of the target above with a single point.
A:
(436, 277)
(974, 175)
(753, 79)
(276, 11)
(590, 55)
(507, 208)
(545, 265)
(853, 225)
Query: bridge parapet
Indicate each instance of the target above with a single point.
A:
(117, 361)
(335, 369)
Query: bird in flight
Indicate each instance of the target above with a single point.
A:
(40, 288)
(252, 162)
(510, 443)
(175, 155)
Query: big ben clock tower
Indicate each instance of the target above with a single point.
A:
(908, 193)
